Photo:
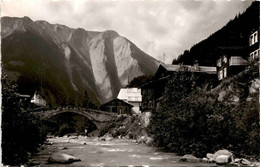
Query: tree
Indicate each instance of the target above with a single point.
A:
(21, 133)
(139, 81)
(191, 120)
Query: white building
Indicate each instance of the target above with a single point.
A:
(38, 100)
(132, 96)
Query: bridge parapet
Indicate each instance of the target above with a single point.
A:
(99, 118)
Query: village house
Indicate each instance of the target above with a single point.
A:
(153, 91)
(132, 96)
(228, 65)
(117, 106)
(38, 100)
(254, 45)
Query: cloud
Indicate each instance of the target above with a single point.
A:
(156, 27)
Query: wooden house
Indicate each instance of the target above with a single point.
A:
(117, 106)
(153, 91)
(228, 65)
(254, 45)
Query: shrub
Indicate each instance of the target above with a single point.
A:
(191, 120)
(21, 132)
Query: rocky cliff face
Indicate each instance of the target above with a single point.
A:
(56, 58)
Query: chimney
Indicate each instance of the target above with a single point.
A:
(196, 65)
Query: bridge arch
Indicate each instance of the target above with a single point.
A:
(98, 118)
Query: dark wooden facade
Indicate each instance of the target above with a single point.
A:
(254, 45)
(153, 91)
(117, 106)
(228, 65)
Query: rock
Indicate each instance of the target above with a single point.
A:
(189, 158)
(222, 152)
(211, 160)
(84, 143)
(209, 155)
(141, 140)
(223, 159)
(63, 148)
(205, 160)
(73, 137)
(106, 137)
(62, 158)
(237, 160)
(48, 143)
(245, 161)
(33, 163)
(149, 141)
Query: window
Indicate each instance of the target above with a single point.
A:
(220, 74)
(251, 57)
(255, 36)
(251, 40)
(225, 72)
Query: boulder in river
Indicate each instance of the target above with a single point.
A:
(223, 159)
(245, 162)
(223, 152)
(149, 141)
(209, 155)
(190, 158)
(62, 158)
(205, 160)
(141, 140)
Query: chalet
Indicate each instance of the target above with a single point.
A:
(24, 100)
(132, 96)
(153, 91)
(228, 65)
(38, 100)
(254, 45)
(117, 106)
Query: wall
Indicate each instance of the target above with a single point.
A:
(145, 118)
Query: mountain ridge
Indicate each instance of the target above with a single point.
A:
(99, 62)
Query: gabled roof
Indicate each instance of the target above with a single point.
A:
(130, 94)
(116, 100)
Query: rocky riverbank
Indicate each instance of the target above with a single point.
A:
(109, 151)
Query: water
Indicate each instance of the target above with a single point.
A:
(117, 152)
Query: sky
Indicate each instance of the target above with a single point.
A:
(158, 27)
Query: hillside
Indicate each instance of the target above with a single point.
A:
(231, 39)
(63, 63)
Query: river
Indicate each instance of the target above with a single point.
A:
(116, 152)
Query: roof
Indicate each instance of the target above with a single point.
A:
(116, 100)
(151, 83)
(205, 69)
(24, 96)
(237, 61)
(130, 94)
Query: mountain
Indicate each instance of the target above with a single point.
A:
(63, 63)
(232, 39)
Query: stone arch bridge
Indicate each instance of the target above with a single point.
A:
(99, 118)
